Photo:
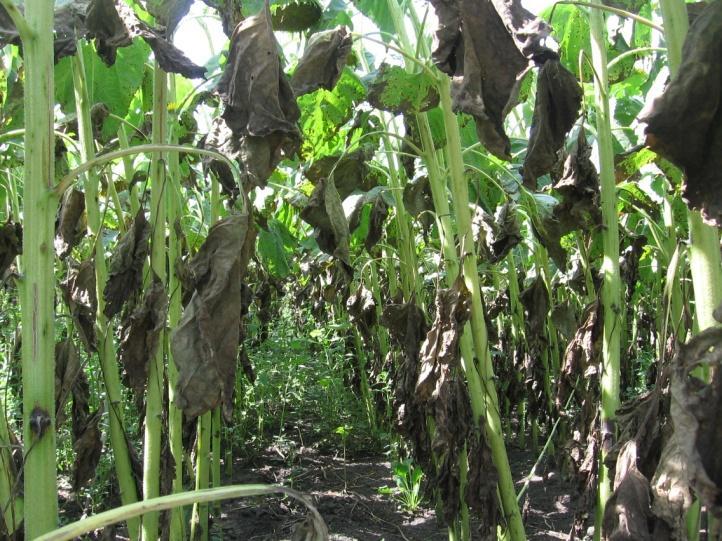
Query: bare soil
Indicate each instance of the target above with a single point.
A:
(346, 492)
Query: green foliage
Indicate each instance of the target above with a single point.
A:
(276, 247)
(408, 479)
(114, 86)
(324, 114)
(394, 89)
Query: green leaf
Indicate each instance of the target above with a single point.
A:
(274, 244)
(571, 31)
(379, 13)
(324, 113)
(394, 89)
(114, 86)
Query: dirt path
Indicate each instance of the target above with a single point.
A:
(348, 498)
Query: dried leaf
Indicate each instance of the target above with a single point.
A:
(485, 47)
(67, 371)
(582, 352)
(325, 213)
(361, 308)
(88, 446)
(536, 307)
(80, 297)
(322, 62)
(229, 12)
(205, 343)
(139, 335)
(114, 24)
(11, 244)
(558, 97)
(696, 408)
(125, 270)
(501, 232)
(627, 512)
(685, 123)
(69, 229)
(440, 351)
(579, 190)
(350, 171)
(261, 108)
(481, 495)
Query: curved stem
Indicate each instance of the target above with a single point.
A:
(21, 24)
(119, 514)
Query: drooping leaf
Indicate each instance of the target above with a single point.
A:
(398, 91)
(79, 295)
(322, 62)
(114, 24)
(536, 307)
(582, 352)
(205, 343)
(579, 190)
(11, 244)
(361, 308)
(350, 171)
(67, 371)
(125, 269)
(627, 512)
(485, 47)
(418, 201)
(501, 232)
(695, 408)
(139, 335)
(229, 11)
(481, 495)
(69, 229)
(88, 447)
(558, 98)
(440, 351)
(685, 123)
(260, 107)
(168, 13)
(325, 213)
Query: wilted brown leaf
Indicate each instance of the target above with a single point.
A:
(685, 123)
(67, 371)
(125, 270)
(322, 62)
(205, 343)
(350, 172)
(627, 512)
(485, 47)
(361, 308)
(80, 297)
(114, 24)
(88, 446)
(439, 352)
(535, 299)
(260, 107)
(69, 228)
(11, 244)
(481, 495)
(696, 408)
(139, 335)
(325, 213)
(558, 98)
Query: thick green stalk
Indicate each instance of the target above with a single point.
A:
(154, 395)
(611, 288)
(175, 415)
(106, 346)
(38, 312)
(216, 424)
(460, 194)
